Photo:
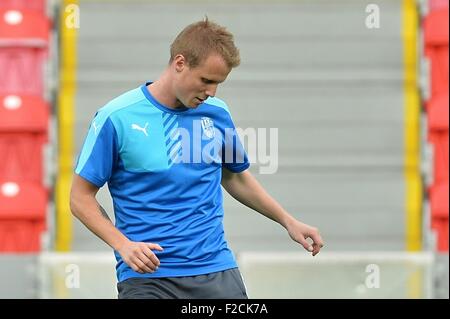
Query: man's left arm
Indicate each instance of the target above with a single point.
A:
(247, 190)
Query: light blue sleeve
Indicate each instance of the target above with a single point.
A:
(100, 151)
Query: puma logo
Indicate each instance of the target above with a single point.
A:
(142, 129)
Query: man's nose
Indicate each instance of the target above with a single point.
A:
(211, 90)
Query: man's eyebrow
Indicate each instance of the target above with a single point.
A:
(210, 81)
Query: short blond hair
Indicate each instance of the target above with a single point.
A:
(200, 39)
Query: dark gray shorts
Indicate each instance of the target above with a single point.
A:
(227, 284)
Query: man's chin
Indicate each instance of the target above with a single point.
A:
(193, 105)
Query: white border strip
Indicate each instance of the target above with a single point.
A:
(245, 258)
(52, 258)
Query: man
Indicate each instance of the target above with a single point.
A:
(165, 149)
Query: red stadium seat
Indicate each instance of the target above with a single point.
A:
(21, 236)
(22, 216)
(435, 27)
(440, 225)
(22, 200)
(440, 149)
(439, 200)
(23, 134)
(439, 213)
(23, 28)
(24, 39)
(438, 57)
(437, 4)
(22, 157)
(23, 114)
(438, 112)
(438, 129)
(38, 6)
(22, 71)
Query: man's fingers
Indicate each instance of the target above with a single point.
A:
(151, 256)
(317, 239)
(317, 245)
(305, 244)
(135, 267)
(154, 246)
(140, 256)
(316, 249)
(142, 263)
(148, 261)
(155, 260)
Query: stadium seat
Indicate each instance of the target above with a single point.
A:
(440, 225)
(21, 236)
(439, 213)
(440, 155)
(24, 39)
(22, 216)
(37, 6)
(439, 200)
(435, 27)
(22, 71)
(438, 112)
(437, 4)
(23, 114)
(438, 57)
(23, 28)
(438, 136)
(23, 134)
(22, 200)
(22, 157)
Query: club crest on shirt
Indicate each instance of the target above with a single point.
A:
(208, 127)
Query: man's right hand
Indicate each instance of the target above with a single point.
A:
(139, 256)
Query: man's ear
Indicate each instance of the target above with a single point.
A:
(179, 62)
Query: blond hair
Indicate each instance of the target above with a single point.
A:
(200, 39)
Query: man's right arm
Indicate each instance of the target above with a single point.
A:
(85, 207)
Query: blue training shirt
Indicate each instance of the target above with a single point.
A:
(163, 167)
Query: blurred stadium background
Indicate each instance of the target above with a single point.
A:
(361, 112)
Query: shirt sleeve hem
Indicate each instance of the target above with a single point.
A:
(239, 168)
(92, 179)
